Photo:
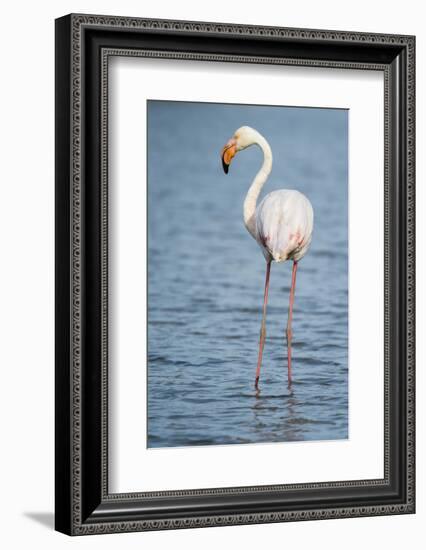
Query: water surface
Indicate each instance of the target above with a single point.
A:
(206, 277)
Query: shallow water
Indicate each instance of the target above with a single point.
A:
(206, 277)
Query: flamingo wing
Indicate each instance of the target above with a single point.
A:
(284, 224)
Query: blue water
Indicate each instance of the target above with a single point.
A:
(206, 277)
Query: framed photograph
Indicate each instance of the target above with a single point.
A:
(234, 274)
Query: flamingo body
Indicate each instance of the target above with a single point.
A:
(284, 224)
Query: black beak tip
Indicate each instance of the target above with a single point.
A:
(225, 166)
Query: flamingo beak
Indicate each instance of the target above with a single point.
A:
(228, 153)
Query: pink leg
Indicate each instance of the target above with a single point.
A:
(263, 328)
(289, 332)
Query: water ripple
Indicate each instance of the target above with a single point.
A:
(206, 277)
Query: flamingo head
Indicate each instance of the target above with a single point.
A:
(242, 138)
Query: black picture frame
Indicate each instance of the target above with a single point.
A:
(83, 46)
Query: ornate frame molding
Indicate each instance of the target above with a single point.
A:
(72, 46)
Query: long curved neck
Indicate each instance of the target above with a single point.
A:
(256, 186)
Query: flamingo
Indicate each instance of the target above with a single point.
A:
(281, 224)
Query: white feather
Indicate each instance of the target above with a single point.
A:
(284, 225)
(283, 222)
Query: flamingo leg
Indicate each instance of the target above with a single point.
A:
(263, 327)
(289, 332)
